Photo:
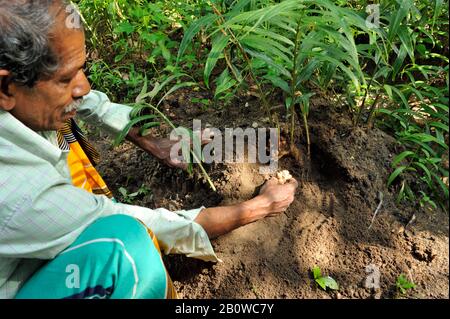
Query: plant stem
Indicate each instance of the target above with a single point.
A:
(197, 160)
(361, 108)
(372, 109)
(294, 82)
(292, 125)
(308, 141)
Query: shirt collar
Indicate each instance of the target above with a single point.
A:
(40, 144)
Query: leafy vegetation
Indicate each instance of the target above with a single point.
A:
(387, 63)
(129, 198)
(324, 282)
(403, 284)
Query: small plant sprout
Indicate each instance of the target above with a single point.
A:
(403, 284)
(324, 281)
(148, 121)
(128, 198)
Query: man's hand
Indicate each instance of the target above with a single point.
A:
(272, 200)
(278, 197)
(158, 147)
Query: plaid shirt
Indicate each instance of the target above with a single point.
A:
(42, 213)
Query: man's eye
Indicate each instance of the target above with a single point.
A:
(66, 81)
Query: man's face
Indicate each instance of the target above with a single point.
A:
(51, 102)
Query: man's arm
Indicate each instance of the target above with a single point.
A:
(99, 111)
(41, 212)
(272, 200)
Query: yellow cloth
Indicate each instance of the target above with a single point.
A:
(84, 175)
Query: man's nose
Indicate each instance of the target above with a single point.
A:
(81, 85)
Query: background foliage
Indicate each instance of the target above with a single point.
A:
(386, 61)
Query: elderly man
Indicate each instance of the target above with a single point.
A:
(61, 234)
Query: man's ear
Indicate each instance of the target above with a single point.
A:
(7, 101)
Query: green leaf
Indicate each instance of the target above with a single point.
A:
(268, 46)
(400, 157)
(394, 175)
(164, 51)
(224, 82)
(237, 7)
(194, 28)
(124, 27)
(404, 284)
(144, 89)
(425, 169)
(326, 74)
(316, 272)
(218, 45)
(288, 102)
(389, 89)
(130, 124)
(123, 192)
(174, 88)
(439, 125)
(405, 38)
(426, 138)
(307, 71)
(424, 147)
(397, 18)
(441, 184)
(281, 69)
(330, 283)
(137, 110)
(341, 66)
(399, 61)
(439, 4)
(158, 87)
(304, 103)
(322, 283)
(278, 82)
(265, 33)
(264, 14)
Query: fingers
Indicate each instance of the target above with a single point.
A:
(281, 207)
(282, 196)
(292, 185)
(292, 181)
(285, 203)
(268, 183)
(176, 164)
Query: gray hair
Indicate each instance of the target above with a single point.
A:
(25, 49)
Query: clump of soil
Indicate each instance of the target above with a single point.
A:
(326, 226)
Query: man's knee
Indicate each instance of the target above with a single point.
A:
(122, 228)
(115, 253)
(115, 237)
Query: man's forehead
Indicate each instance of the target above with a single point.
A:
(70, 49)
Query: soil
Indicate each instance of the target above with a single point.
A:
(328, 225)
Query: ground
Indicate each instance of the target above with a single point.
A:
(328, 225)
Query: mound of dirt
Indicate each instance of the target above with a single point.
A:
(329, 224)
